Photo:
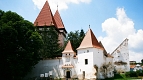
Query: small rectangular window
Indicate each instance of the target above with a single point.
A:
(86, 61)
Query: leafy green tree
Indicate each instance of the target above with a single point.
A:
(51, 48)
(142, 61)
(19, 46)
(75, 38)
(82, 34)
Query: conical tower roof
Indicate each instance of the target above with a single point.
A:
(89, 41)
(58, 20)
(68, 48)
(104, 51)
(45, 16)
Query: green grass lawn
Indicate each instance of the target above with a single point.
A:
(123, 77)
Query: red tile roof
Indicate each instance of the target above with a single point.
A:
(45, 16)
(90, 41)
(132, 66)
(68, 48)
(58, 20)
(105, 52)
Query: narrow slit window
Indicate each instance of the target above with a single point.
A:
(86, 61)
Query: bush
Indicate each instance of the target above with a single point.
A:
(141, 73)
(134, 74)
(127, 74)
(117, 76)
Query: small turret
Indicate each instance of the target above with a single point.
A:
(68, 55)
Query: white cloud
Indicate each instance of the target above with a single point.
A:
(119, 28)
(136, 41)
(62, 4)
(134, 56)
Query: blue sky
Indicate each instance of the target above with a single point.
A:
(103, 16)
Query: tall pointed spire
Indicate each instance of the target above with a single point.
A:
(58, 20)
(89, 41)
(57, 7)
(68, 48)
(45, 16)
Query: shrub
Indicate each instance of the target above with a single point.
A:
(132, 74)
(141, 73)
(127, 74)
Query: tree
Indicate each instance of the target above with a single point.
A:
(75, 38)
(51, 48)
(19, 46)
(142, 61)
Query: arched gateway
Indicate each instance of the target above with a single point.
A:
(68, 74)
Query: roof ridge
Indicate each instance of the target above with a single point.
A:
(104, 51)
(119, 45)
(95, 42)
(58, 20)
(68, 48)
(45, 16)
(89, 41)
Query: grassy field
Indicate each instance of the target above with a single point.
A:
(123, 77)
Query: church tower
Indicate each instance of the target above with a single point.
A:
(46, 19)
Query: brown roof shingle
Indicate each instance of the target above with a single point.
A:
(45, 17)
(68, 48)
(90, 41)
(58, 20)
(105, 52)
(132, 66)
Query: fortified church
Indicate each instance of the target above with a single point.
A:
(91, 62)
